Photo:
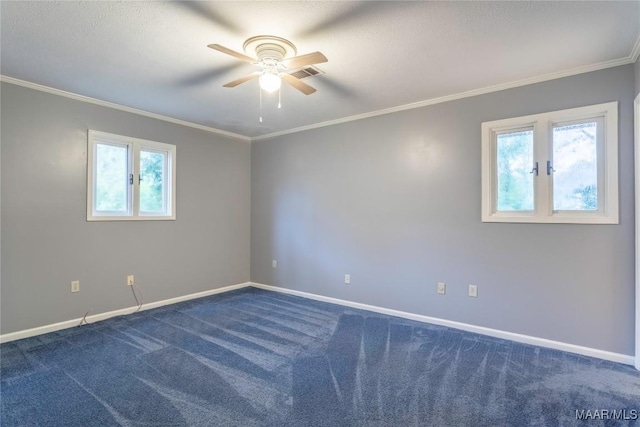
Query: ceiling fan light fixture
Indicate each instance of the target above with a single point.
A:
(270, 82)
(274, 55)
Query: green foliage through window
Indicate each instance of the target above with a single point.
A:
(514, 164)
(111, 178)
(152, 170)
(575, 160)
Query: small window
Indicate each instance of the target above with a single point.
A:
(130, 178)
(557, 167)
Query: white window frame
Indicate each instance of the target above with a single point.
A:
(134, 146)
(542, 125)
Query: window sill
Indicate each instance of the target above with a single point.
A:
(130, 218)
(555, 219)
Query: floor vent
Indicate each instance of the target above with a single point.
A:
(303, 73)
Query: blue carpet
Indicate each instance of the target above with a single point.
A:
(257, 358)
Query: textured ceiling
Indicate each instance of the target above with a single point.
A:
(153, 56)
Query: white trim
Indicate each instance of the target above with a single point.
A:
(512, 336)
(456, 96)
(115, 106)
(636, 121)
(102, 316)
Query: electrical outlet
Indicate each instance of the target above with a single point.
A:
(274, 263)
(75, 286)
(347, 279)
(473, 291)
(130, 280)
(442, 288)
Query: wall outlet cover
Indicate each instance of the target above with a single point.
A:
(473, 291)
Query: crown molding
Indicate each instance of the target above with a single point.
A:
(467, 94)
(632, 58)
(635, 52)
(115, 106)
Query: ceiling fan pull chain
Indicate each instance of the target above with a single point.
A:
(280, 97)
(260, 89)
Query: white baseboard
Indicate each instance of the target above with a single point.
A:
(526, 339)
(541, 342)
(102, 316)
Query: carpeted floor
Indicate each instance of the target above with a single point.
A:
(258, 358)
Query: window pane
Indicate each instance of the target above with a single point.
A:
(514, 163)
(152, 176)
(111, 178)
(575, 160)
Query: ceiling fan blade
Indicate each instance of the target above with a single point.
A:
(303, 60)
(205, 76)
(205, 10)
(297, 84)
(243, 79)
(233, 53)
(354, 13)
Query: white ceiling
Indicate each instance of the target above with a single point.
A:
(153, 56)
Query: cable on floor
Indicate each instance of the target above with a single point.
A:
(139, 303)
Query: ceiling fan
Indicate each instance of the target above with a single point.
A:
(276, 58)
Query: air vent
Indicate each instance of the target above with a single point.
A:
(303, 73)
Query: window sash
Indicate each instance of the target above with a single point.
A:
(165, 185)
(128, 162)
(600, 167)
(496, 174)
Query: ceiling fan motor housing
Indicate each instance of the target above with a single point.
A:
(270, 51)
(269, 48)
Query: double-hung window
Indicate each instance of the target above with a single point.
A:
(130, 178)
(558, 167)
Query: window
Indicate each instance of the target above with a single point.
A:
(130, 178)
(558, 167)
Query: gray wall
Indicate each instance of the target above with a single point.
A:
(394, 200)
(47, 242)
